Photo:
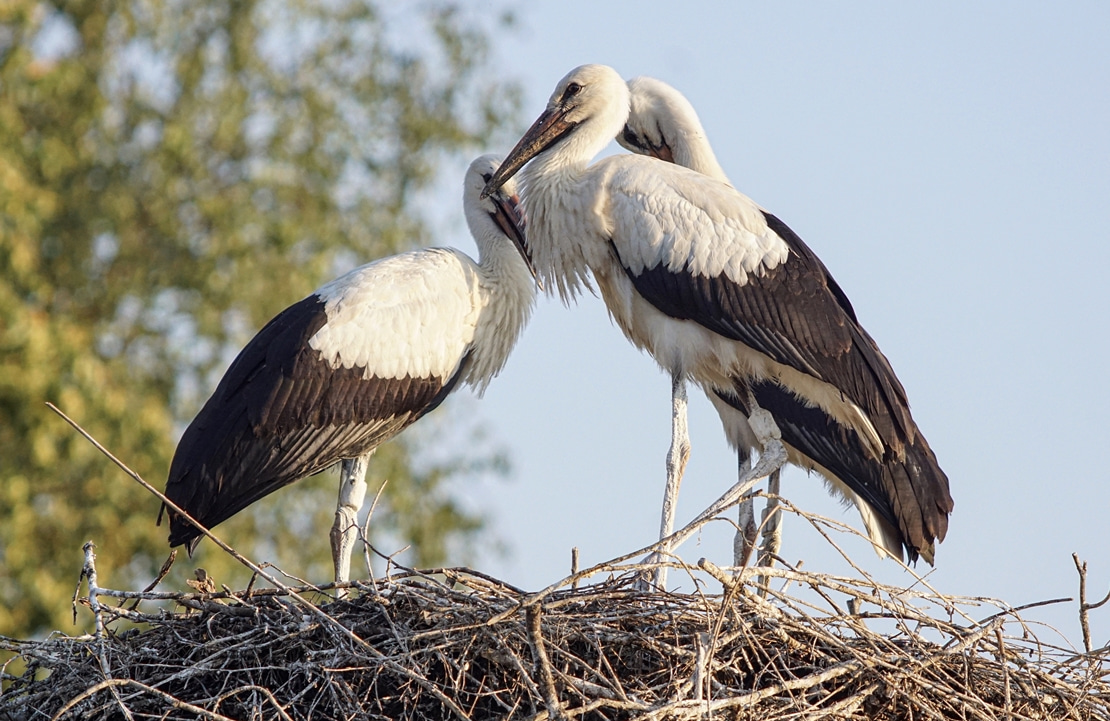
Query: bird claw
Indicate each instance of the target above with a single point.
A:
(653, 575)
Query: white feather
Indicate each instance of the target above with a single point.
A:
(412, 314)
(419, 313)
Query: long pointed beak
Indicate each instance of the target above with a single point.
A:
(509, 219)
(549, 128)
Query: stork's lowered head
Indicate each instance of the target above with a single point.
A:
(502, 207)
(663, 124)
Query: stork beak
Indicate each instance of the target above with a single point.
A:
(629, 138)
(510, 220)
(549, 128)
(661, 151)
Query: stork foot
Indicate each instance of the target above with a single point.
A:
(654, 576)
(771, 521)
(744, 541)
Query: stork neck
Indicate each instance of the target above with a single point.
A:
(498, 258)
(508, 294)
(559, 166)
(694, 152)
(563, 231)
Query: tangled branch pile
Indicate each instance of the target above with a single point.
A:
(459, 645)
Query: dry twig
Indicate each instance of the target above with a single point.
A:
(457, 644)
(1084, 607)
(449, 643)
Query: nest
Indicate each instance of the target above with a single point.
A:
(774, 643)
(457, 644)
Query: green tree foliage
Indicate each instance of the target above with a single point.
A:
(172, 174)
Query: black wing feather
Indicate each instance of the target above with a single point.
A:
(797, 315)
(281, 413)
(911, 494)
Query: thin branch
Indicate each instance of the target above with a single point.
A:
(116, 682)
(543, 664)
(1084, 607)
(328, 620)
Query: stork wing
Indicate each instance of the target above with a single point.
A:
(708, 254)
(329, 378)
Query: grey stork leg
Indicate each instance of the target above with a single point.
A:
(344, 532)
(772, 457)
(677, 457)
(744, 540)
(772, 523)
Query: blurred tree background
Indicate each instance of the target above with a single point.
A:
(172, 174)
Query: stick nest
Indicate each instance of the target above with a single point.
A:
(455, 644)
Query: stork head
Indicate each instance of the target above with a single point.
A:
(501, 206)
(589, 107)
(663, 124)
(658, 114)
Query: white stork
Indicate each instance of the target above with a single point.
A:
(716, 289)
(663, 124)
(352, 365)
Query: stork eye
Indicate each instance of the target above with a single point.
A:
(632, 139)
(486, 176)
(571, 91)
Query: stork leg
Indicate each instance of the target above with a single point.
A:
(772, 523)
(771, 458)
(677, 457)
(344, 532)
(744, 540)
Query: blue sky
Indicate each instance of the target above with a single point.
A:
(950, 163)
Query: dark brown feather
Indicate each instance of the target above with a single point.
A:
(281, 413)
(910, 494)
(798, 316)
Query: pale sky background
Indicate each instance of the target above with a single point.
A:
(950, 163)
